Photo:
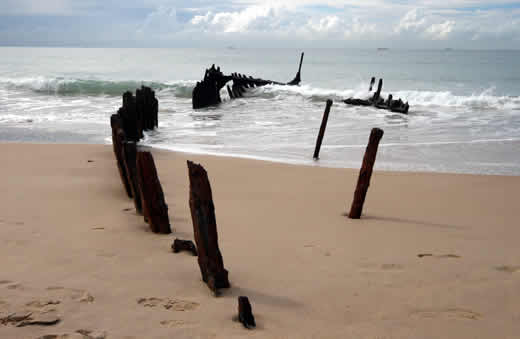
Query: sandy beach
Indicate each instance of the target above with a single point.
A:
(434, 256)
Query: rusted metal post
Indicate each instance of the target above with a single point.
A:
(155, 209)
(322, 130)
(205, 229)
(365, 174)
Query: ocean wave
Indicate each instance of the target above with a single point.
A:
(77, 87)
(484, 100)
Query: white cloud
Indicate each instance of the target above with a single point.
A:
(441, 31)
(400, 23)
(410, 21)
(253, 18)
(326, 24)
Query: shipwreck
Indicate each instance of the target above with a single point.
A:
(207, 92)
(377, 101)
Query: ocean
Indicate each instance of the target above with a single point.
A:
(464, 105)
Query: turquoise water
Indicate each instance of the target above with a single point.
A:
(464, 115)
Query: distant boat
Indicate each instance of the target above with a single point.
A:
(448, 49)
(382, 49)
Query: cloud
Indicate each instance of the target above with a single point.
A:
(257, 18)
(256, 23)
(410, 21)
(330, 23)
(162, 20)
(441, 31)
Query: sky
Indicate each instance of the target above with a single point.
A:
(414, 24)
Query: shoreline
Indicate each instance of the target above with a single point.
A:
(434, 255)
(266, 159)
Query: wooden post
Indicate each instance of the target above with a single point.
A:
(130, 118)
(130, 156)
(322, 129)
(155, 209)
(205, 229)
(245, 313)
(118, 137)
(365, 173)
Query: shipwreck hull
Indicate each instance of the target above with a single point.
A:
(207, 92)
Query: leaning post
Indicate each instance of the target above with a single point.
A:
(205, 229)
(322, 129)
(365, 173)
(154, 207)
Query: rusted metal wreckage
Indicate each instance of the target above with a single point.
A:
(207, 92)
(377, 101)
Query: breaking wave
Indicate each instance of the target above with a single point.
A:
(76, 87)
(183, 88)
(484, 100)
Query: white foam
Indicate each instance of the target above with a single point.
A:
(483, 100)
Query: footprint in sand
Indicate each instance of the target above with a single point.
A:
(392, 267)
(169, 304)
(5, 282)
(80, 334)
(454, 313)
(176, 323)
(15, 287)
(374, 268)
(42, 304)
(149, 302)
(73, 293)
(508, 269)
(324, 252)
(441, 256)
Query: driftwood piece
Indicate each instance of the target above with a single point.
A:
(184, 245)
(365, 174)
(155, 209)
(245, 313)
(118, 138)
(130, 157)
(322, 129)
(205, 229)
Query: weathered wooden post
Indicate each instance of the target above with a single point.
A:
(118, 138)
(155, 209)
(365, 174)
(205, 229)
(129, 117)
(322, 129)
(245, 313)
(130, 156)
